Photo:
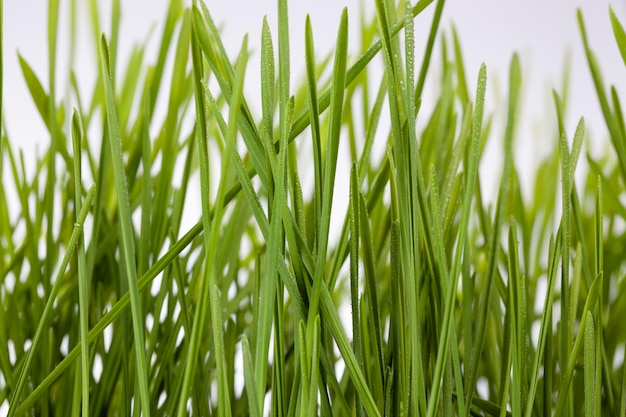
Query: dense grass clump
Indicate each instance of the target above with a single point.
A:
(108, 306)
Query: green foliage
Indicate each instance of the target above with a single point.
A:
(240, 315)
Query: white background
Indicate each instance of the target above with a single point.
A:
(490, 31)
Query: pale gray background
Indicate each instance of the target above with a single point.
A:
(541, 31)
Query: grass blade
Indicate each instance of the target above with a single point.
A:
(591, 408)
(83, 283)
(128, 238)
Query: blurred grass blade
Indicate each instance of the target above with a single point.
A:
(619, 33)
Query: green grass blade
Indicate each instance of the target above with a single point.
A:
(619, 33)
(546, 322)
(83, 283)
(128, 238)
(314, 116)
(429, 48)
(568, 374)
(591, 388)
(1, 75)
(53, 16)
(330, 163)
(513, 102)
(248, 367)
(617, 138)
(354, 269)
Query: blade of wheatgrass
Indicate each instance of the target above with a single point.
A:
(284, 74)
(590, 303)
(518, 342)
(129, 87)
(330, 163)
(599, 234)
(336, 328)
(451, 182)
(279, 397)
(277, 230)
(4, 211)
(398, 324)
(248, 374)
(212, 227)
(305, 361)
(591, 389)
(603, 366)
(36, 90)
(83, 283)
(201, 129)
(47, 312)
(410, 192)
(513, 102)
(314, 120)
(417, 204)
(1, 75)
(568, 167)
(619, 113)
(377, 362)
(354, 270)
(314, 372)
(145, 246)
(460, 68)
(575, 289)
(546, 321)
(213, 239)
(434, 28)
(128, 238)
(115, 32)
(617, 138)
(53, 17)
(565, 342)
(619, 33)
(442, 271)
(268, 99)
(267, 296)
